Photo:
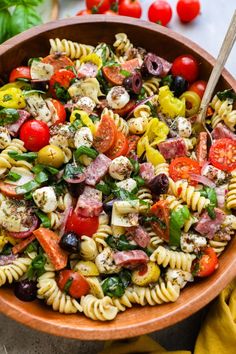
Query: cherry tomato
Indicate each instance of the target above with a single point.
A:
(98, 6)
(126, 109)
(132, 145)
(35, 134)
(186, 66)
(131, 8)
(84, 12)
(58, 61)
(182, 167)
(207, 264)
(120, 147)
(162, 211)
(188, 10)
(61, 79)
(73, 283)
(199, 87)
(9, 190)
(223, 154)
(22, 72)
(105, 135)
(160, 12)
(60, 112)
(82, 225)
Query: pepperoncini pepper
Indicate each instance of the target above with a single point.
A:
(12, 98)
(169, 104)
(83, 116)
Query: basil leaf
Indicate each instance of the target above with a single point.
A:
(12, 176)
(227, 95)
(72, 171)
(104, 188)
(125, 277)
(8, 116)
(61, 93)
(27, 187)
(125, 73)
(40, 167)
(44, 218)
(37, 267)
(154, 218)
(167, 80)
(32, 247)
(41, 177)
(121, 243)
(68, 285)
(84, 150)
(7, 250)
(136, 167)
(27, 156)
(211, 211)
(140, 181)
(5, 29)
(112, 286)
(23, 18)
(177, 220)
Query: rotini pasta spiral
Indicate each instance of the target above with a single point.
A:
(155, 240)
(189, 195)
(98, 309)
(161, 168)
(7, 162)
(100, 236)
(56, 219)
(88, 248)
(151, 86)
(144, 195)
(122, 44)
(95, 287)
(143, 111)
(121, 124)
(174, 259)
(223, 111)
(231, 194)
(64, 201)
(73, 50)
(218, 245)
(14, 271)
(53, 296)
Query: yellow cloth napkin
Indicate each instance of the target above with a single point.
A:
(217, 334)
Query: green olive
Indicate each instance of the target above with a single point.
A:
(192, 102)
(149, 275)
(51, 155)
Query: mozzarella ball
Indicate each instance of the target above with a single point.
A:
(137, 125)
(128, 184)
(45, 199)
(105, 262)
(117, 97)
(83, 137)
(120, 168)
(190, 242)
(184, 127)
(178, 277)
(86, 103)
(5, 138)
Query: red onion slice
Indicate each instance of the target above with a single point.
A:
(139, 104)
(220, 193)
(5, 260)
(202, 179)
(25, 234)
(66, 215)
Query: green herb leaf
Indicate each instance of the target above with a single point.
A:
(140, 181)
(44, 218)
(210, 193)
(227, 95)
(32, 247)
(135, 165)
(167, 80)
(113, 286)
(7, 98)
(37, 267)
(8, 116)
(68, 285)
(125, 73)
(45, 168)
(177, 220)
(84, 150)
(77, 124)
(125, 277)
(23, 18)
(41, 177)
(121, 243)
(104, 188)
(153, 218)
(61, 93)
(72, 171)
(26, 156)
(12, 176)
(7, 250)
(27, 187)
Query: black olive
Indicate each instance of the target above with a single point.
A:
(159, 184)
(107, 207)
(133, 83)
(26, 290)
(179, 85)
(70, 242)
(152, 65)
(41, 85)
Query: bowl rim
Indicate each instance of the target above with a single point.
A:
(209, 289)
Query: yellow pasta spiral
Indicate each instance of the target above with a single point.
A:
(231, 195)
(122, 44)
(144, 195)
(98, 309)
(120, 123)
(7, 162)
(151, 86)
(73, 50)
(14, 271)
(223, 112)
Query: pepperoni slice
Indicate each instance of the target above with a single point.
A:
(58, 61)
(105, 135)
(113, 73)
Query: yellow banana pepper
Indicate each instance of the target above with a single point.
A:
(193, 101)
(92, 58)
(153, 155)
(83, 116)
(15, 84)
(170, 105)
(12, 98)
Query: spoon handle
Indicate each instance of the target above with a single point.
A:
(216, 72)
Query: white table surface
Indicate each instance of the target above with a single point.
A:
(208, 29)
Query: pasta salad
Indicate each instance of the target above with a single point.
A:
(109, 194)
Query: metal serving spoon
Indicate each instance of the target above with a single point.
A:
(225, 50)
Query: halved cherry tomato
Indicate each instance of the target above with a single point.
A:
(188, 10)
(22, 72)
(82, 225)
(49, 241)
(160, 12)
(132, 144)
(186, 66)
(162, 211)
(207, 264)
(58, 61)
(120, 147)
(223, 154)
(113, 73)
(73, 283)
(131, 8)
(35, 134)
(182, 168)
(105, 135)
(84, 12)
(199, 87)
(9, 190)
(61, 78)
(126, 109)
(60, 111)
(201, 150)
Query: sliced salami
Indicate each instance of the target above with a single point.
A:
(171, 148)
(15, 127)
(97, 169)
(130, 258)
(221, 132)
(146, 171)
(89, 203)
(139, 235)
(207, 226)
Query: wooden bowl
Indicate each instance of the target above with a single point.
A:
(138, 320)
